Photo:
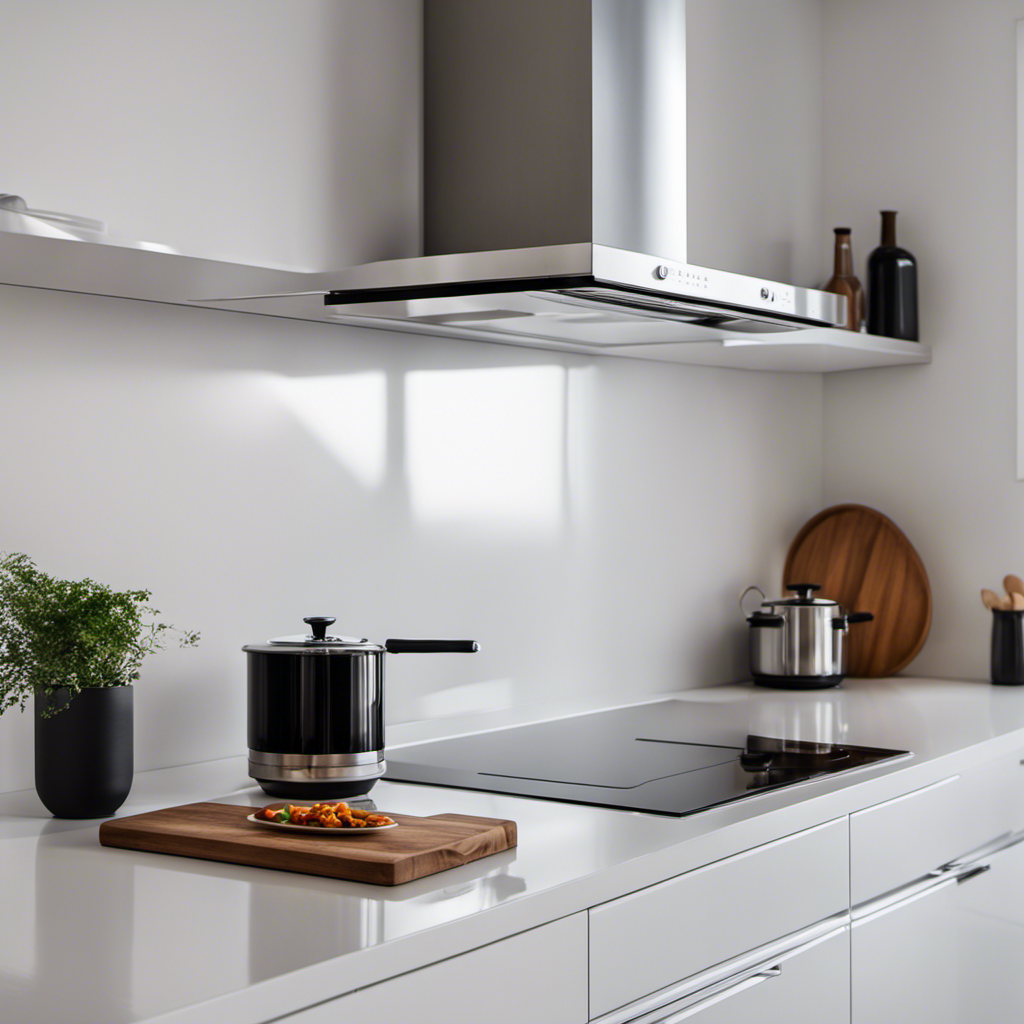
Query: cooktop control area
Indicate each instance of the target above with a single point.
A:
(641, 758)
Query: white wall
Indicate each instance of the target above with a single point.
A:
(920, 102)
(590, 521)
(284, 134)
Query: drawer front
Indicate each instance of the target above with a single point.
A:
(812, 986)
(904, 963)
(903, 839)
(538, 976)
(660, 935)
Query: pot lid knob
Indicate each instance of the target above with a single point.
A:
(318, 624)
(803, 590)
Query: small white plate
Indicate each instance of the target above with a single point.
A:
(312, 830)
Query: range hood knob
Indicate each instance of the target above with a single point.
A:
(661, 272)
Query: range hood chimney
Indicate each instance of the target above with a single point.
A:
(555, 121)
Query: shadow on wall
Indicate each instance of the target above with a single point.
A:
(474, 453)
(478, 449)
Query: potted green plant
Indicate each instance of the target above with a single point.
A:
(76, 647)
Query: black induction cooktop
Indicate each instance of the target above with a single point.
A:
(642, 758)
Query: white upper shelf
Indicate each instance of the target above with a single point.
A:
(821, 350)
(125, 272)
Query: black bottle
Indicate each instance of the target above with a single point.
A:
(892, 286)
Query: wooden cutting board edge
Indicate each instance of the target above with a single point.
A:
(130, 834)
(915, 558)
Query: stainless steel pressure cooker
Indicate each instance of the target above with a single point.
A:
(799, 643)
(316, 710)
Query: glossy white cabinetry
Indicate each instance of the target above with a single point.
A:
(903, 964)
(901, 840)
(949, 952)
(539, 977)
(937, 883)
(810, 984)
(675, 929)
(988, 926)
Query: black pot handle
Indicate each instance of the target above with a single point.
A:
(431, 646)
(803, 590)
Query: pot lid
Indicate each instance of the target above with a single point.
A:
(804, 597)
(318, 638)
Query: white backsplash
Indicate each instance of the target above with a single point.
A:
(591, 521)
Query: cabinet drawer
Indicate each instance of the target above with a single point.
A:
(657, 936)
(538, 976)
(811, 984)
(905, 838)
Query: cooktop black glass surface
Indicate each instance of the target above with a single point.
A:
(641, 758)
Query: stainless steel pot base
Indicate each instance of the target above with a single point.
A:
(310, 792)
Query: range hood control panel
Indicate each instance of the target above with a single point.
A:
(752, 292)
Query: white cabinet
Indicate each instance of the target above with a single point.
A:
(805, 984)
(901, 840)
(989, 941)
(946, 950)
(536, 977)
(813, 985)
(903, 965)
(675, 929)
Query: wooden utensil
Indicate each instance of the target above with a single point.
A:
(990, 599)
(422, 846)
(862, 559)
(1017, 601)
(1013, 584)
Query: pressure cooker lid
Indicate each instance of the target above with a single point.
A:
(804, 596)
(318, 638)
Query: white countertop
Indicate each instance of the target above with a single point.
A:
(92, 934)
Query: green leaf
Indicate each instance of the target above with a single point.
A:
(76, 634)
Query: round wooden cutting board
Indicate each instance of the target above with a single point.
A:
(862, 560)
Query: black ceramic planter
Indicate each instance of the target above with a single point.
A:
(85, 752)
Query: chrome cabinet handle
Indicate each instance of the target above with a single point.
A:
(757, 978)
(936, 881)
(973, 873)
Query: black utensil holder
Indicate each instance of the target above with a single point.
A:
(1007, 648)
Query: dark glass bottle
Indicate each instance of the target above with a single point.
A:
(892, 286)
(845, 282)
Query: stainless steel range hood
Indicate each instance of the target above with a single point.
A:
(555, 194)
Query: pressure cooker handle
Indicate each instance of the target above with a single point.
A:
(803, 590)
(431, 646)
(842, 621)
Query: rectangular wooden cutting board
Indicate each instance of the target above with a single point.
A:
(421, 846)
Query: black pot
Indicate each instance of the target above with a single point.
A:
(85, 752)
(316, 710)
